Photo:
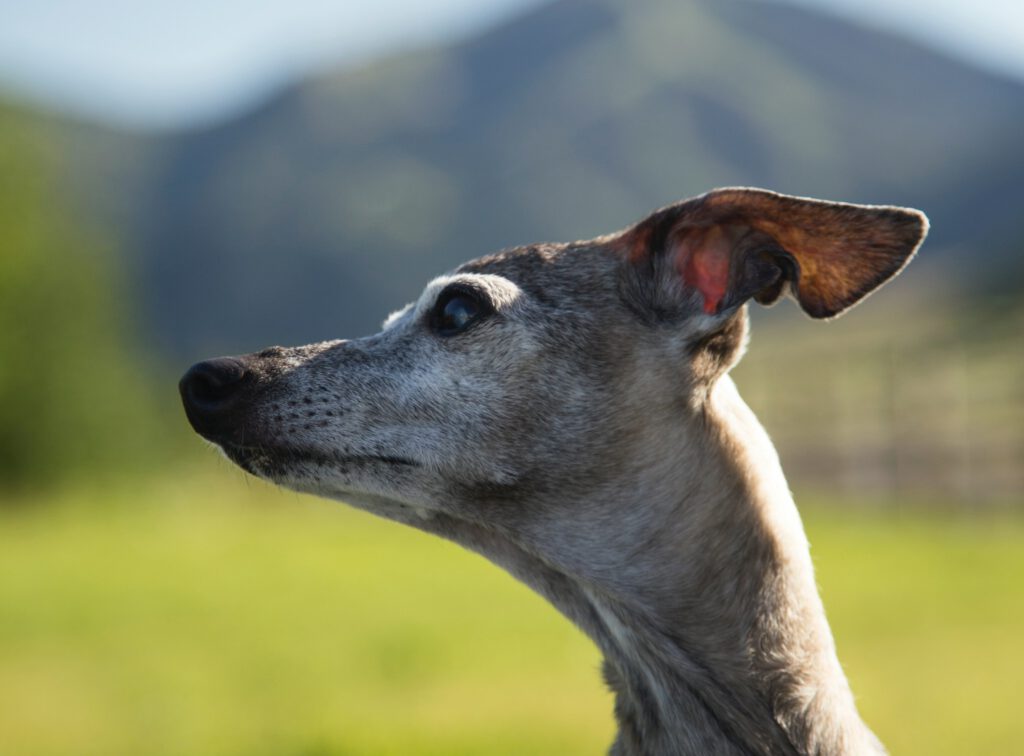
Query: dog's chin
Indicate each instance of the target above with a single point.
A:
(312, 471)
(254, 460)
(333, 477)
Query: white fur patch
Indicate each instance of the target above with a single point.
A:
(502, 292)
(393, 319)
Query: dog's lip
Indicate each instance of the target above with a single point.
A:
(284, 454)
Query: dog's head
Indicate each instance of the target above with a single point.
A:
(547, 373)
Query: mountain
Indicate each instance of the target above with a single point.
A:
(314, 215)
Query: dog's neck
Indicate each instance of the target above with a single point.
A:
(714, 637)
(732, 652)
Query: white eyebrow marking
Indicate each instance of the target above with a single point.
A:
(502, 292)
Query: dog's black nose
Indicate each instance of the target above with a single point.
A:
(212, 392)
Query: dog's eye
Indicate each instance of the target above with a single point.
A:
(456, 310)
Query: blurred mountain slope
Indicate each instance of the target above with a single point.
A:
(331, 204)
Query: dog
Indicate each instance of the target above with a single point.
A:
(566, 411)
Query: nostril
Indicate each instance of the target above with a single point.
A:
(210, 385)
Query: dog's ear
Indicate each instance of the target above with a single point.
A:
(731, 245)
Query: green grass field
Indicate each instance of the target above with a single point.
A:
(209, 616)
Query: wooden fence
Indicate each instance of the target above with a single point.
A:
(894, 416)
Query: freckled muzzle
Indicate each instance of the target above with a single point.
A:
(216, 394)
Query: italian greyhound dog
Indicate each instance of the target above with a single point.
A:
(565, 410)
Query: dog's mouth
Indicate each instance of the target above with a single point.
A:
(273, 462)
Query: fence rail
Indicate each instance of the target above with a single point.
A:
(892, 416)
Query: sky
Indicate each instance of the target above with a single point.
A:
(172, 63)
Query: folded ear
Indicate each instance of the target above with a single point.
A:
(731, 245)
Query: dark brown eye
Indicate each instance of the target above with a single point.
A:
(456, 310)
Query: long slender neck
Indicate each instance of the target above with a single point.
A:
(727, 650)
(691, 571)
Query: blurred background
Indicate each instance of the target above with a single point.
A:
(184, 180)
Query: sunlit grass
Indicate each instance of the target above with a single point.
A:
(928, 614)
(207, 616)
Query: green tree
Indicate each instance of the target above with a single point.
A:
(73, 395)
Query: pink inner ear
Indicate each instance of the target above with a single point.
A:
(703, 261)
